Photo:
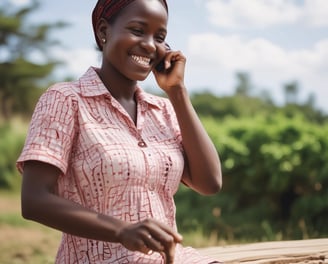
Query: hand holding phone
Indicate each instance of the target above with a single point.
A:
(169, 72)
(160, 67)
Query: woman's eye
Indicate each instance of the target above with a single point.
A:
(160, 39)
(137, 31)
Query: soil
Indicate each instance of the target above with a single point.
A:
(23, 241)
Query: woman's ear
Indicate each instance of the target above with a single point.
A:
(102, 30)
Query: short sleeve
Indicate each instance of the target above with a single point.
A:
(51, 132)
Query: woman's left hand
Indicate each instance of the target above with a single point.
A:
(173, 74)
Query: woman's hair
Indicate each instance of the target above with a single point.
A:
(109, 9)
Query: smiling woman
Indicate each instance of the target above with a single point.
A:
(138, 34)
(103, 159)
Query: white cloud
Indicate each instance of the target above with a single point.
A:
(316, 12)
(269, 65)
(20, 2)
(263, 13)
(77, 61)
(233, 52)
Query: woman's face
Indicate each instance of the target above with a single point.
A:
(136, 39)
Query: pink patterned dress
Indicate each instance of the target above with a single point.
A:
(108, 163)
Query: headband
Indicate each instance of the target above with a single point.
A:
(107, 9)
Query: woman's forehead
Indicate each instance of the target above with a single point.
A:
(144, 9)
(109, 9)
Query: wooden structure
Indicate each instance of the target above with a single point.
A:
(310, 251)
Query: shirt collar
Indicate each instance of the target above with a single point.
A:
(148, 98)
(91, 85)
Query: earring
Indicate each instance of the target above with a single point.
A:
(103, 40)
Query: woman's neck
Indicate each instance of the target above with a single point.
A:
(118, 85)
(122, 89)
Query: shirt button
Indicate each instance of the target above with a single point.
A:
(151, 187)
(142, 144)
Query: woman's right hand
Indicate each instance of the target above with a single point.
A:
(150, 235)
(41, 203)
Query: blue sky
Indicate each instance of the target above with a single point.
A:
(275, 41)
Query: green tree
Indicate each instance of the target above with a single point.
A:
(21, 77)
(275, 179)
(12, 139)
(291, 92)
(244, 86)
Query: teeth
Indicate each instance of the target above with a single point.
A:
(141, 60)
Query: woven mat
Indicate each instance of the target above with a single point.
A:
(311, 251)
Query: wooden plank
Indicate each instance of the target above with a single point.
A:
(310, 251)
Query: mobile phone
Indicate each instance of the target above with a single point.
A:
(160, 67)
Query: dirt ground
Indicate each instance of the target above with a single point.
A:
(22, 241)
(26, 242)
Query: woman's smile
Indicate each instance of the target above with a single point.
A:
(142, 61)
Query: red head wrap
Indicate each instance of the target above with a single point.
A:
(107, 9)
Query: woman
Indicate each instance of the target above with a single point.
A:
(103, 159)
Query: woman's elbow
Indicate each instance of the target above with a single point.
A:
(216, 182)
(32, 205)
(28, 209)
(212, 186)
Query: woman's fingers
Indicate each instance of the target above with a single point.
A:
(150, 236)
(164, 244)
(173, 74)
(142, 247)
(163, 239)
(163, 233)
(154, 244)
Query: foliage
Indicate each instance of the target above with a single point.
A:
(207, 104)
(239, 105)
(274, 158)
(21, 241)
(12, 140)
(275, 180)
(248, 102)
(20, 77)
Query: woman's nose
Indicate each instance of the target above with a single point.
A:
(148, 44)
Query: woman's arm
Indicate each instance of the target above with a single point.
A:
(203, 168)
(40, 203)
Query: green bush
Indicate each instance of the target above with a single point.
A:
(12, 140)
(275, 179)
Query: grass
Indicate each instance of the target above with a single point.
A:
(27, 242)
(23, 241)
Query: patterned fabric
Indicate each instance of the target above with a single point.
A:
(108, 9)
(108, 163)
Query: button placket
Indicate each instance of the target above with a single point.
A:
(151, 175)
(142, 143)
(151, 187)
(139, 125)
